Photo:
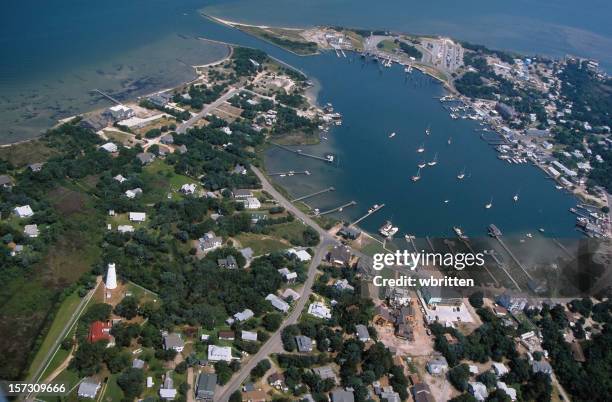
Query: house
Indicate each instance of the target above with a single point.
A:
(290, 293)
(398, 297)
(349, 232)
(181, 149)
(478, 390)
(137, 216)
(340, 255)
(145, 157)
(244, 315)
(167, 390)
(137, 363)
(31, 230)
(342, 395)
(511, 392)
(35, 167)
(188, 189)
(256, 395)
(99, 331)
(390, 396)
(167, 139)
(219, 353)
(319, 310)
(276, 380)
(226, 130)
(131, 194)
(435, 295)
(247, 253)
(541, 366)
(242, 193)
(422, 393)
(500, 369)
(404, 331)
(174, 341)
(120, 112)
(361, 331)
(226, 335)
(88, 388)
(210, 242)
(383, 317)
(205, 388)
(150, 382)
(125, 228)
(302, 255)
(325, 372)
(24, 211)
(120, 178)
(505, 111)
(239, 169)
(277, 303)
(160, 99)
(343, 285)
(437, 365)
(229, 262)
(109, 147)
(248, 336)
(287, 275)
(304, 344)
(252, 203)
(6, 181)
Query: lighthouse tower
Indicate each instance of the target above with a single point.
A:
(111, 277)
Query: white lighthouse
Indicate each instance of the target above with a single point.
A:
(111, 277)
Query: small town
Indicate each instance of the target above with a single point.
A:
(181, 272)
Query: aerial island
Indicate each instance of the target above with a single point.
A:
(147, 255)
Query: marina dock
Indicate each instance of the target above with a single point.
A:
(107, 96)
(289, 173)
(340, 208)
(313, 194)
(372, 211)
(299, 152)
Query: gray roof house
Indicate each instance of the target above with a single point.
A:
(88, 388)
(243, 193)
(181, 149)
(437, 365)
(174, 341)
(145, 157)
(244, 315)
(304, 344)
(277, 303)
(6, 181)
(478, 390)
(35, 167)
(340, 255)
(205, 389)
(167, 139)
(325, 372)
(229, 262)
(362, 332)
(541, 366)
(342, 395)
(137, 363)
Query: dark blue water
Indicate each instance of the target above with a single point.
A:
(64, 50)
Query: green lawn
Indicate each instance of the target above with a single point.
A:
(66, 309)
(387, 45)
(163, 180)
(373, 248)
(112, 392)
(260, 244)
(289, 231)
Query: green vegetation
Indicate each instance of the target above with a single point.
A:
(410, 50)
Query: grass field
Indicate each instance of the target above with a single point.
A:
(387, 45)
(162, 180)
(261, 244)
(25, 153)
(289, 231)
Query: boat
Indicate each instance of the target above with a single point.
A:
(516, 197)
(489, 205)
(434, 162)
(450, 139)
(422, 165)
(418, 176)
(541, 230)
(460, 233)
(529, 235)
(392, 135)
(428, 130)
(421, 149)
(388, 229)
(446, 201)
(461, 175)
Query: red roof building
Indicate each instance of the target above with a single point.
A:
(99, 331)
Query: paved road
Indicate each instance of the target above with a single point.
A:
(206, 109)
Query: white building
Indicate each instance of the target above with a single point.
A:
(31, 230)
(188, 188)
(218, 353)
(252, 203)
(109, 147)
(319, 310)
(138, 216)
(277, 303)
(131, 194)
(111, 277)
(500, 369)
(301, 255)
(24, 211)
(125, 228)
(120, 112)
(120, 178)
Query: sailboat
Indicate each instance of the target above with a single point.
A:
(421, 149)
(490, 204)
(450, 139)
(422, 165)
(516, 197)
(428, 130)
(434, 162)
(461, 175)
(418, 176)
(392, 135)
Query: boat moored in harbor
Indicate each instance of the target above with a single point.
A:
(388, 229)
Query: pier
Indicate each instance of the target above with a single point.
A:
(410, 240)
(289, 173)
(512, 256)
(299, 152)
(494, 141)
(373, 210)
(107, 96)
(313, 194)
(340, 208)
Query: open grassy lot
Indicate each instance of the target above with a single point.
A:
(261, 244)
(291, 231)
(25, 153)
(162, 180)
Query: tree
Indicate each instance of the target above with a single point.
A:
(131, 381)
(87, 359)
(236, 396)
(476, 299)
(224, 372)
(260, 369)
(488, 378)
(272, 321)
(128, 307)
(459, 376)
